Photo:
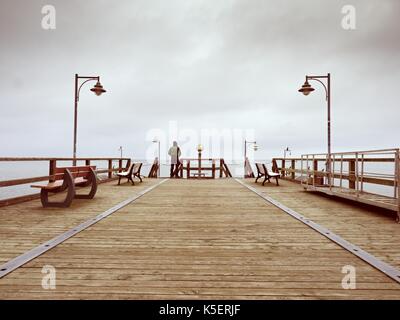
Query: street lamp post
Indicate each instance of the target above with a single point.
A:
(255, 147)
(97, 89)
(306, 89)
(199, 150)
(120, 150)
(159, 160)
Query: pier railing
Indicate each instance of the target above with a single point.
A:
(199, 167)
(106, 172)
(346, 166)
(370, 176)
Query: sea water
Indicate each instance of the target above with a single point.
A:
(28, 169)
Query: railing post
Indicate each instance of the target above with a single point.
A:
(332, 173)
(341, 170)
(283, 172)
(315, 168)
(352, 176)
(397, 183)
(308, 171)
(293, 169)
(213, 169)
(362, 173)
(110, 168)
(52, 169)
(275, 167)
(357, 176)
(87, 162)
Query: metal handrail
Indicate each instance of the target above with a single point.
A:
(359, 175)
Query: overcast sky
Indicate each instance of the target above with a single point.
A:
(216, 64)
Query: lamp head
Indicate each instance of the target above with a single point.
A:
(306, 88)
(98, 89)
(199, 148)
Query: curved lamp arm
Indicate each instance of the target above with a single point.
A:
(79, 89)
(323, 84)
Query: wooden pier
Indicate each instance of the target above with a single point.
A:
(199, 239)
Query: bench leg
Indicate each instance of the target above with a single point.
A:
(265, 179)
(258, 177)
(44, 198)
(93, 182)
(140, 178)
(277, 183)
(119, 180)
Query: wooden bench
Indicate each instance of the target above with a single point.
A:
(68, 178)
(262, 171)
(132, 171)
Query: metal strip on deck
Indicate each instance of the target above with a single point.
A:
(387, 269)
(44, 247)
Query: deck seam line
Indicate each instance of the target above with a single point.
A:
(24, 258)
(384, 267)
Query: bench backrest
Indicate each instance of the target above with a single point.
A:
(79, 171)
(260, 168)
(265, 168)
(136, 168)
(130, 168)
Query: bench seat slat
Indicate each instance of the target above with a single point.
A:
(58, 183)
(273, 174)
(80, 180)
(49, 186)
(123, 174)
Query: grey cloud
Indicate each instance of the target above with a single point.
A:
(201, 63)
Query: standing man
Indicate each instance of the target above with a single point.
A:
(175, 153)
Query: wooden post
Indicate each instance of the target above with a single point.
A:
(52, 169)
(153, 170)
(109, 168)
(87, 162)
(188, 169)
(283, 172)
(248, 171)
(181, 170)
(120, 165)
(128, 163)
(213, 169)
(317, 178)
(352, 176)
(397, 182)
(293, 168)
(274, 166)
(223, 171)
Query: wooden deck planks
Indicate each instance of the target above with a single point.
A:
(198, 239)
(372, 229)
(26, 225)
